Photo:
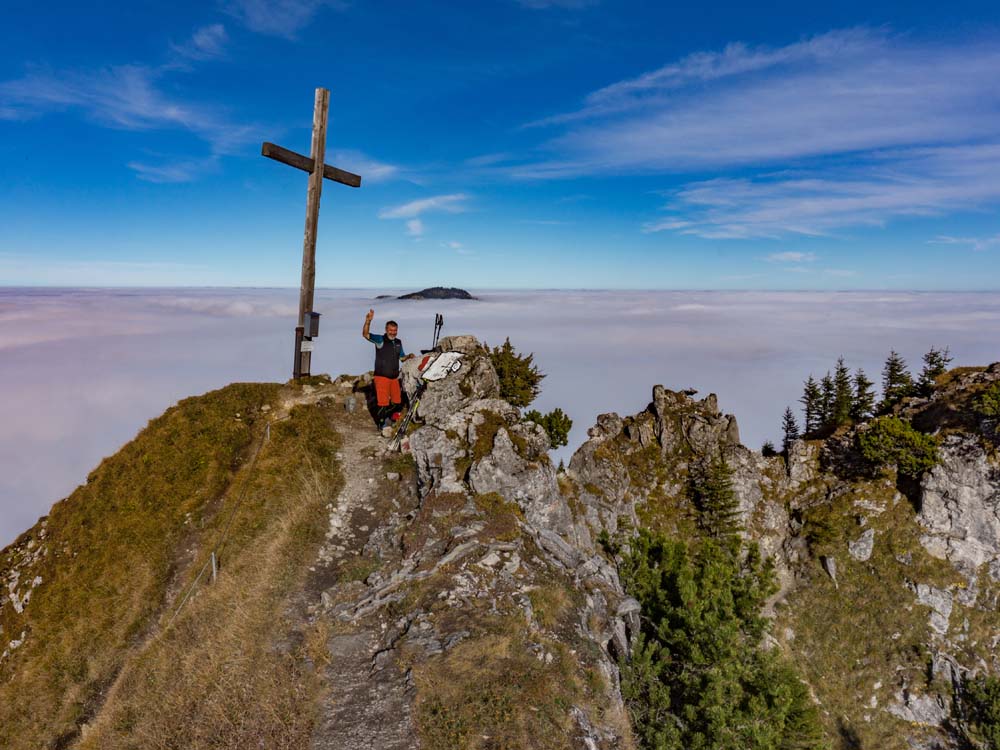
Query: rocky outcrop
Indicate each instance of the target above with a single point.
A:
(485, 545)
(19, 581)
(960, 506)
(820, 514)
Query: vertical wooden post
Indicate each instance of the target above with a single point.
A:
(297, 365)
(304, 359)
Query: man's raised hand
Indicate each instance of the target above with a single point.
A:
(369, 316)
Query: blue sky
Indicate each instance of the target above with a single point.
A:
(539, 144)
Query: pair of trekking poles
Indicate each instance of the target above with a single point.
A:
(432, 368)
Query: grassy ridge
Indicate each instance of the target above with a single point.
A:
(230, 673)
(125, 543)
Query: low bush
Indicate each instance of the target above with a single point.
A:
(556, 425)
(988, 402)
(980, 703)
(891, 440)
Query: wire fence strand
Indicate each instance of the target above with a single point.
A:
(215, 552)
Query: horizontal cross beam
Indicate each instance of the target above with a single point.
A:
(304, 163)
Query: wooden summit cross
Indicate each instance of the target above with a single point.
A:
(308, 326)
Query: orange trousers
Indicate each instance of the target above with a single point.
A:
(387, 391)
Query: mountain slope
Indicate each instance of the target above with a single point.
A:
(465, 593)
(109, 564)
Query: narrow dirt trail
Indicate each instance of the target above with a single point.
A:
(362, 534)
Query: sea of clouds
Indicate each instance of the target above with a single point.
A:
(82, 370)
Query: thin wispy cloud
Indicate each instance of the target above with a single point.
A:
(206, 43)
(664, 225)
(911, 182)
(174, 172)
(415, 227)
(791, 256)
(841, 92)
(486, 160)
(868, 126)
(978, 244)
(371, 170)
(284, 18)
(458, 247)
(651, 88)
(127, 97)
(453, 203)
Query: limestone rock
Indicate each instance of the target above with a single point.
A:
(919, 709)
(803, 462)
(686, 425)
(960, 505)
(462, 343)
(531, 483)
(940, 602)
(861, 548)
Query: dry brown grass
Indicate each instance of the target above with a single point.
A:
(227, 674)
(493, 692)
(868, 629)
(127, 543)
(550, 603)
(113, 548)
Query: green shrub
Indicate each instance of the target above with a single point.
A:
(981, 704)
(711, 490)
(891, 440)
(519, 378)
(556, 425)
(988, 403)
(697, 677)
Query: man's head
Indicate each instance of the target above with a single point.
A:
(391, 329)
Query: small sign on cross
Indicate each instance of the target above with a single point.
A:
(318, 170)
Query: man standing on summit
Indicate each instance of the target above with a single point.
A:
(388, 353)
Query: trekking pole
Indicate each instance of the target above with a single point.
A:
(397, 439)
(438, 323)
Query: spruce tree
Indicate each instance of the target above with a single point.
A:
(936, 363)
(715, 499)
(698, 675)
(843, 393)
(897, 383)
(811, 405)
(828, 392)
(518, 375)
(790, 429)
(863, 406)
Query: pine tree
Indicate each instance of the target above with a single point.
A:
(790, 429)
(518, 375)
(843, 393)
(897, 383)
(698, 675)
(811, 405)
(828, 392)
(715, 498)
(936, 363)
(863, 406)
(767, 449)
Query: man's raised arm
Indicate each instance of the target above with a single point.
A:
(368, 323)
